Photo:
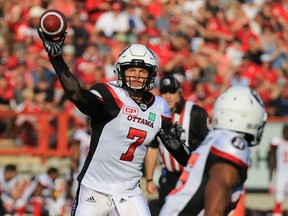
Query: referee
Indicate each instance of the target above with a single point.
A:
(194, 120)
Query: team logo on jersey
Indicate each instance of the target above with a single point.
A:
(130, 110)
(152, 116)
(238, 143)
(140, 121)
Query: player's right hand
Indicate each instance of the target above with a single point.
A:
(151, 187)
(52, 47)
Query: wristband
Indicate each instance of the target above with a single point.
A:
(149, 180)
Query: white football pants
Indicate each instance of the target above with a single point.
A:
(92, 203)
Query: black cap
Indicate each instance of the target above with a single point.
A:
(168, 84)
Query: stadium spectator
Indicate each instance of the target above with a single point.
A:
(80, 34)
(136, 24)
(96, 8)
(238, 80)
(257, 25)
(8, 188)
(195, 121)
(203, 95)
(6, 94)
(67, 7)
(85, 65)
(278, 168)
(109, 180)
(212, 181)
(278, 105)
(117, 19)
(80, 145)
(39, 196)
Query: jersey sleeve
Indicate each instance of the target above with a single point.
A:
(111, 104)
(166, 117)
(232, 150)
(87, 102)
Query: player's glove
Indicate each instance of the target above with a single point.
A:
(173, 137)
(175, 144)
(52, 47)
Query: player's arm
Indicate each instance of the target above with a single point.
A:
(272, 161)
(150, 164)
(82, 98)
(271, 166)
(223, 177)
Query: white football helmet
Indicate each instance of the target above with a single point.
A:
(240, 109)
(136, 55)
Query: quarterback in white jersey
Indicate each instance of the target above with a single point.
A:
(125, 118)
(278, 163)
(213, 179)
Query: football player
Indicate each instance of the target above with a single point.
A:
(125, 118)
(278, 165)
(195, 122)
(213, 179)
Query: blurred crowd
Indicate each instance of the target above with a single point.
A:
(207, 44)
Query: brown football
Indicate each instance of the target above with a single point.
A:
(53, 23)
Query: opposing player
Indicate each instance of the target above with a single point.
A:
(195, 122)
(278, 165)
(125, 118)
(213, 179)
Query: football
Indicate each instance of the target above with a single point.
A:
(53, 23)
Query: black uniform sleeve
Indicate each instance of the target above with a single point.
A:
(198, 128)
(86, 102)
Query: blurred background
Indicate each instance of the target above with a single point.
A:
(208, 45)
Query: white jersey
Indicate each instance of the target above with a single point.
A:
(281, 154)
(119, 142)
(219, 145)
